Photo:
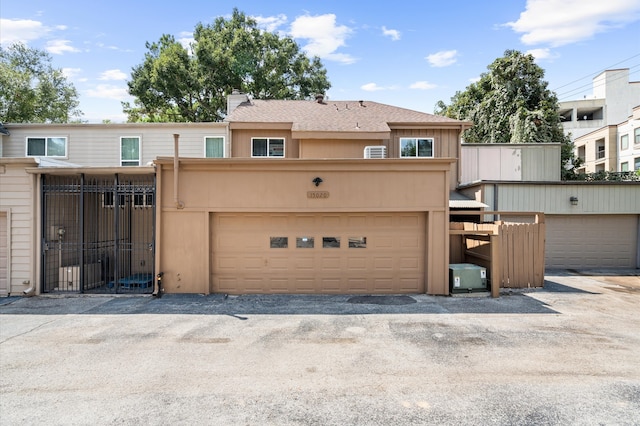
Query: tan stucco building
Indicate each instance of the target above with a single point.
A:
(284, 196)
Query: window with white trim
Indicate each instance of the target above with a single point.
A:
(129, 150)
(214, 147)
(416, 147)
(624, 142)
(624, 167)
(267, 147)
(636, 136)
(47, 147)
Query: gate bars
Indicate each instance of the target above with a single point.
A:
(98, 233)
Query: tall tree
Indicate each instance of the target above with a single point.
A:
(32, 91)
(175, 83)
(510, 104)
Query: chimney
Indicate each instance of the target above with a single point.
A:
(235, 99)
(319, 98)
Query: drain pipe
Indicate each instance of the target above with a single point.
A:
(176, 171)
(31, 291)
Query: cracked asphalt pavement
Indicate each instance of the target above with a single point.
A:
(568, 353)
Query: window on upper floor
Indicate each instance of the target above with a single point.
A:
(624, 167)
(636, 136)
(636, 163)
(47, 147)
(624, 142)
(130, 151)
(267, 147)
(416, 147)
(214, 147)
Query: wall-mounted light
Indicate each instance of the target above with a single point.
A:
(574, 200)
(317, 181)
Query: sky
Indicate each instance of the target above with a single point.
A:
(405, 53)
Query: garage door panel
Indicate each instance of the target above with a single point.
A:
(383, 263)
(318, 253)
(356, 263)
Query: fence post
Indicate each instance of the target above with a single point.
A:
(496, 276)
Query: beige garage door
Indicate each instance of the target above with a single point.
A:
(318, 253)
(591, 241)
(4, 254)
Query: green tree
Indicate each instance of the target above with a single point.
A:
(32, 91)
(190, 85)
(511, 104)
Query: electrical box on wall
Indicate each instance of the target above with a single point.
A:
(467, 278)
(56, 232)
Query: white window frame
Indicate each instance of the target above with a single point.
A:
(416, 139)
(139, 151)
(46, 146)
(224, 145)
(626, 139)
(268, 139)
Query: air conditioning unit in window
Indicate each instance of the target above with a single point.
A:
(377, 151)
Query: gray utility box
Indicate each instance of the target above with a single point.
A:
(467, 278)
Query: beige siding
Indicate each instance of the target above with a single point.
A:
(99, 144)
(510, 162)
(609, 198)
(17, 205)
(446, 145)
(241, 145)
(323, 148)
(4, 254)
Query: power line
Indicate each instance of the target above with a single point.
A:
(579, 89)
(596, 73)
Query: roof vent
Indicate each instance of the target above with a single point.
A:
(319, 98)
(377, 151)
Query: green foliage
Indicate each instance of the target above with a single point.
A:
(32, 91)
(604, 176)
(177, 84)
(511, 104)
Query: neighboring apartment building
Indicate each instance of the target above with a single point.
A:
(613, 99)
(629, 143)
(613, 148)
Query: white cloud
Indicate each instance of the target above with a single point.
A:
(113, 75)
(474, 79)
(71, 72)
(394, 34)
(271, 23)
(443, 58)
(423, 85)
(540, 54)
(109, 91)
(561, 22)
(371, 87)
(186, 39)
(324, 35)
(21, 31)
(59, 47)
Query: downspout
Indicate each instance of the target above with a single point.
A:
(176, 171)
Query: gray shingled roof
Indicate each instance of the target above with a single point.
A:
(332, 116)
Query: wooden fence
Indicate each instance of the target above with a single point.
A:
(512, 251)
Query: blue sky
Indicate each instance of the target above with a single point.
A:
(404, 53)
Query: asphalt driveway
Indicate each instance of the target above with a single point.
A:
(565, 354)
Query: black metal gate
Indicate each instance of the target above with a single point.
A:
(98, 233)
